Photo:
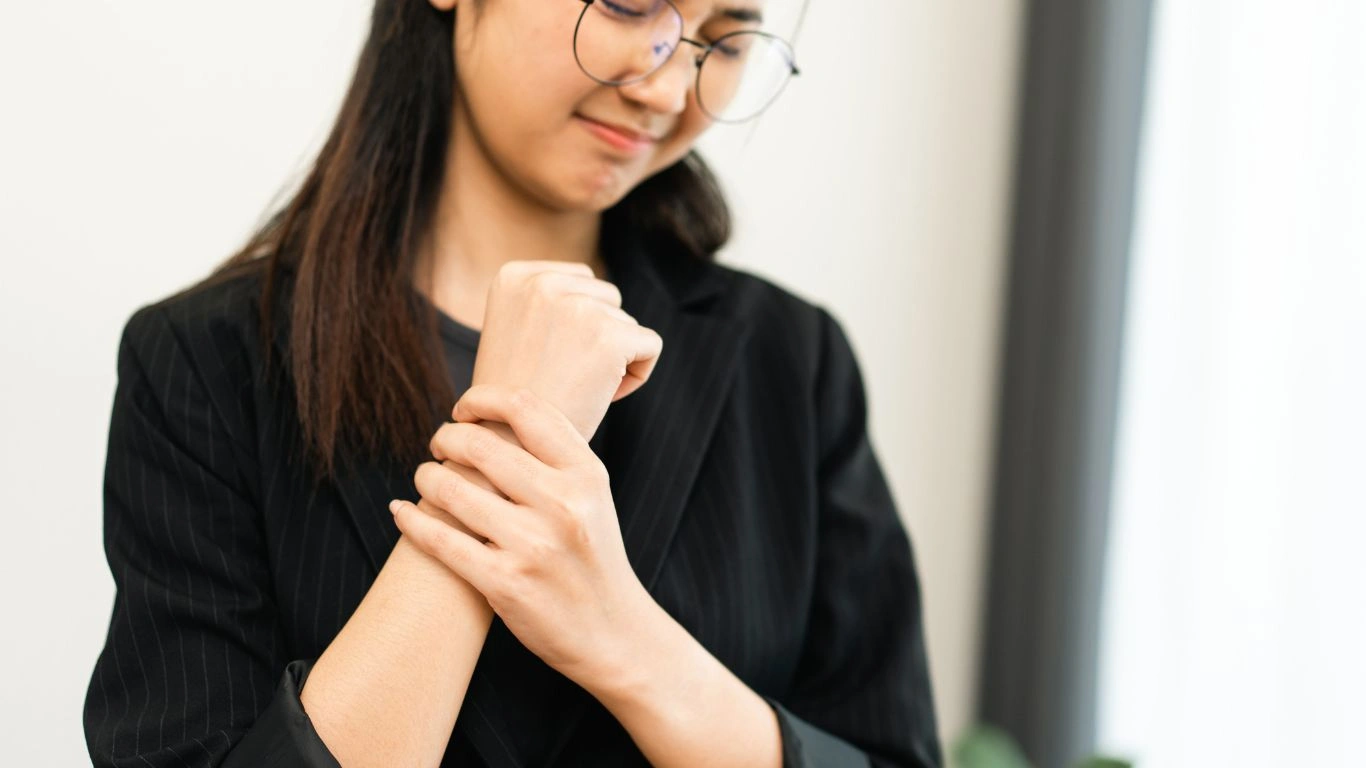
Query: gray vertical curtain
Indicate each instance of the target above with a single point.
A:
(1082, 94)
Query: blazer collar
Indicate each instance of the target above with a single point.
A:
(652, 442)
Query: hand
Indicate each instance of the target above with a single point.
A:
(554, 566)
(555, 329)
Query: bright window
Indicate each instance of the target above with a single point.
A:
(1234, 629)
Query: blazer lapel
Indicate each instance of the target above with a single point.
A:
(655, 439)
(518, 708)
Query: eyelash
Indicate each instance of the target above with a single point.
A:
(628, 13)
(614, 8)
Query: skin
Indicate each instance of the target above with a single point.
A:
(516, 515)
(525, 179)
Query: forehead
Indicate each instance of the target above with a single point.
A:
(738, 10)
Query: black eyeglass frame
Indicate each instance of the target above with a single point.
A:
(707, 48)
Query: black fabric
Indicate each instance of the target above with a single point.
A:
(284, 736)
(460, 344)
(751, 504)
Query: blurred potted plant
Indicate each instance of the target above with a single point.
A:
(986, 747)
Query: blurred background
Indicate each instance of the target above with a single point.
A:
(1103, 262)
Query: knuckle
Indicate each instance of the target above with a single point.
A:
(603, 340)
(543, 283)
(576, 531)
(596, 471)
(500, 573)
(473, 391)
(522, 398)
(538, 551)
(446, 546)
(572, 505)
(480, 443)
(588, 307)
(527, 464)
(451, 491)
(504, 279)
(523, 575)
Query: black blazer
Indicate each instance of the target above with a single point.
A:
(752, 506)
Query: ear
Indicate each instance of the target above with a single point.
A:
(442, 5)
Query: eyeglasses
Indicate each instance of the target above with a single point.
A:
(739, 74)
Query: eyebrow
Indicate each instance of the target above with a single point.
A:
(750, 15)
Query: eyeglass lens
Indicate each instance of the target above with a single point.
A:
(624, 41)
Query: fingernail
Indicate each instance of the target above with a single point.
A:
(395, 505)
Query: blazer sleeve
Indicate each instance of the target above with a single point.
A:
(862, 692)
(192, 672)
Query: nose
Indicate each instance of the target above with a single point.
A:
(666, 89)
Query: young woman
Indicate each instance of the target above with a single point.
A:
(651, 530)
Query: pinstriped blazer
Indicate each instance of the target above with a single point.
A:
(752, 507)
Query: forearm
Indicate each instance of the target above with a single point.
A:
(389, 687)
(683, 707)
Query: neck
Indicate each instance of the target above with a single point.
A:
(482, 221)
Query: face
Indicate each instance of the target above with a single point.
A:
(527, 108)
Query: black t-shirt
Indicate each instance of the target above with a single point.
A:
(459, 343)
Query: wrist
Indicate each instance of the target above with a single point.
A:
(628, 675)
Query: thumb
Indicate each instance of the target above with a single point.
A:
(644, 346)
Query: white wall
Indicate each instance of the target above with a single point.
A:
(878, 186)
(141, 141)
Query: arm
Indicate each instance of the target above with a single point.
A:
(194, 648)
(389, 687)
(862, 689)
(682, 706)
(400, 667)
(193, 671)
(861, 695)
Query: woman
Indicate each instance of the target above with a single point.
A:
(709, 571)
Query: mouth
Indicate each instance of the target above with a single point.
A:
(618, 137)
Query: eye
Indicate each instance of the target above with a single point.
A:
(628, 9)
(730, 51)
(732, 45)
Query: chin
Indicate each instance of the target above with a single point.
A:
(597, 188)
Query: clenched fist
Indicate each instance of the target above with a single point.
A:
(557, 330)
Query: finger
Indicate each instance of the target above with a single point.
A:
(541, 428)
(436, 511)
(622, 315)
(602, 290)
(521, 476)
(462, 553)
(643, 350)
(482, 511)
(557, 283)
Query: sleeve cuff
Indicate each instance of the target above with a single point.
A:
(806, 746)
(283, 736)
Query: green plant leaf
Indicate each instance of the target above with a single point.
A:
(986, 747)
(1104, 762)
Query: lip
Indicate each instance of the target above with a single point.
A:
(619, 137)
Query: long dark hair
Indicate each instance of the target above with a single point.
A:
(365, 366)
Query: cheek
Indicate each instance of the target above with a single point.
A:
(520, 111)
(516, 67)
(692, 124)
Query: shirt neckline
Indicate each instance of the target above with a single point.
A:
(456, 331)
